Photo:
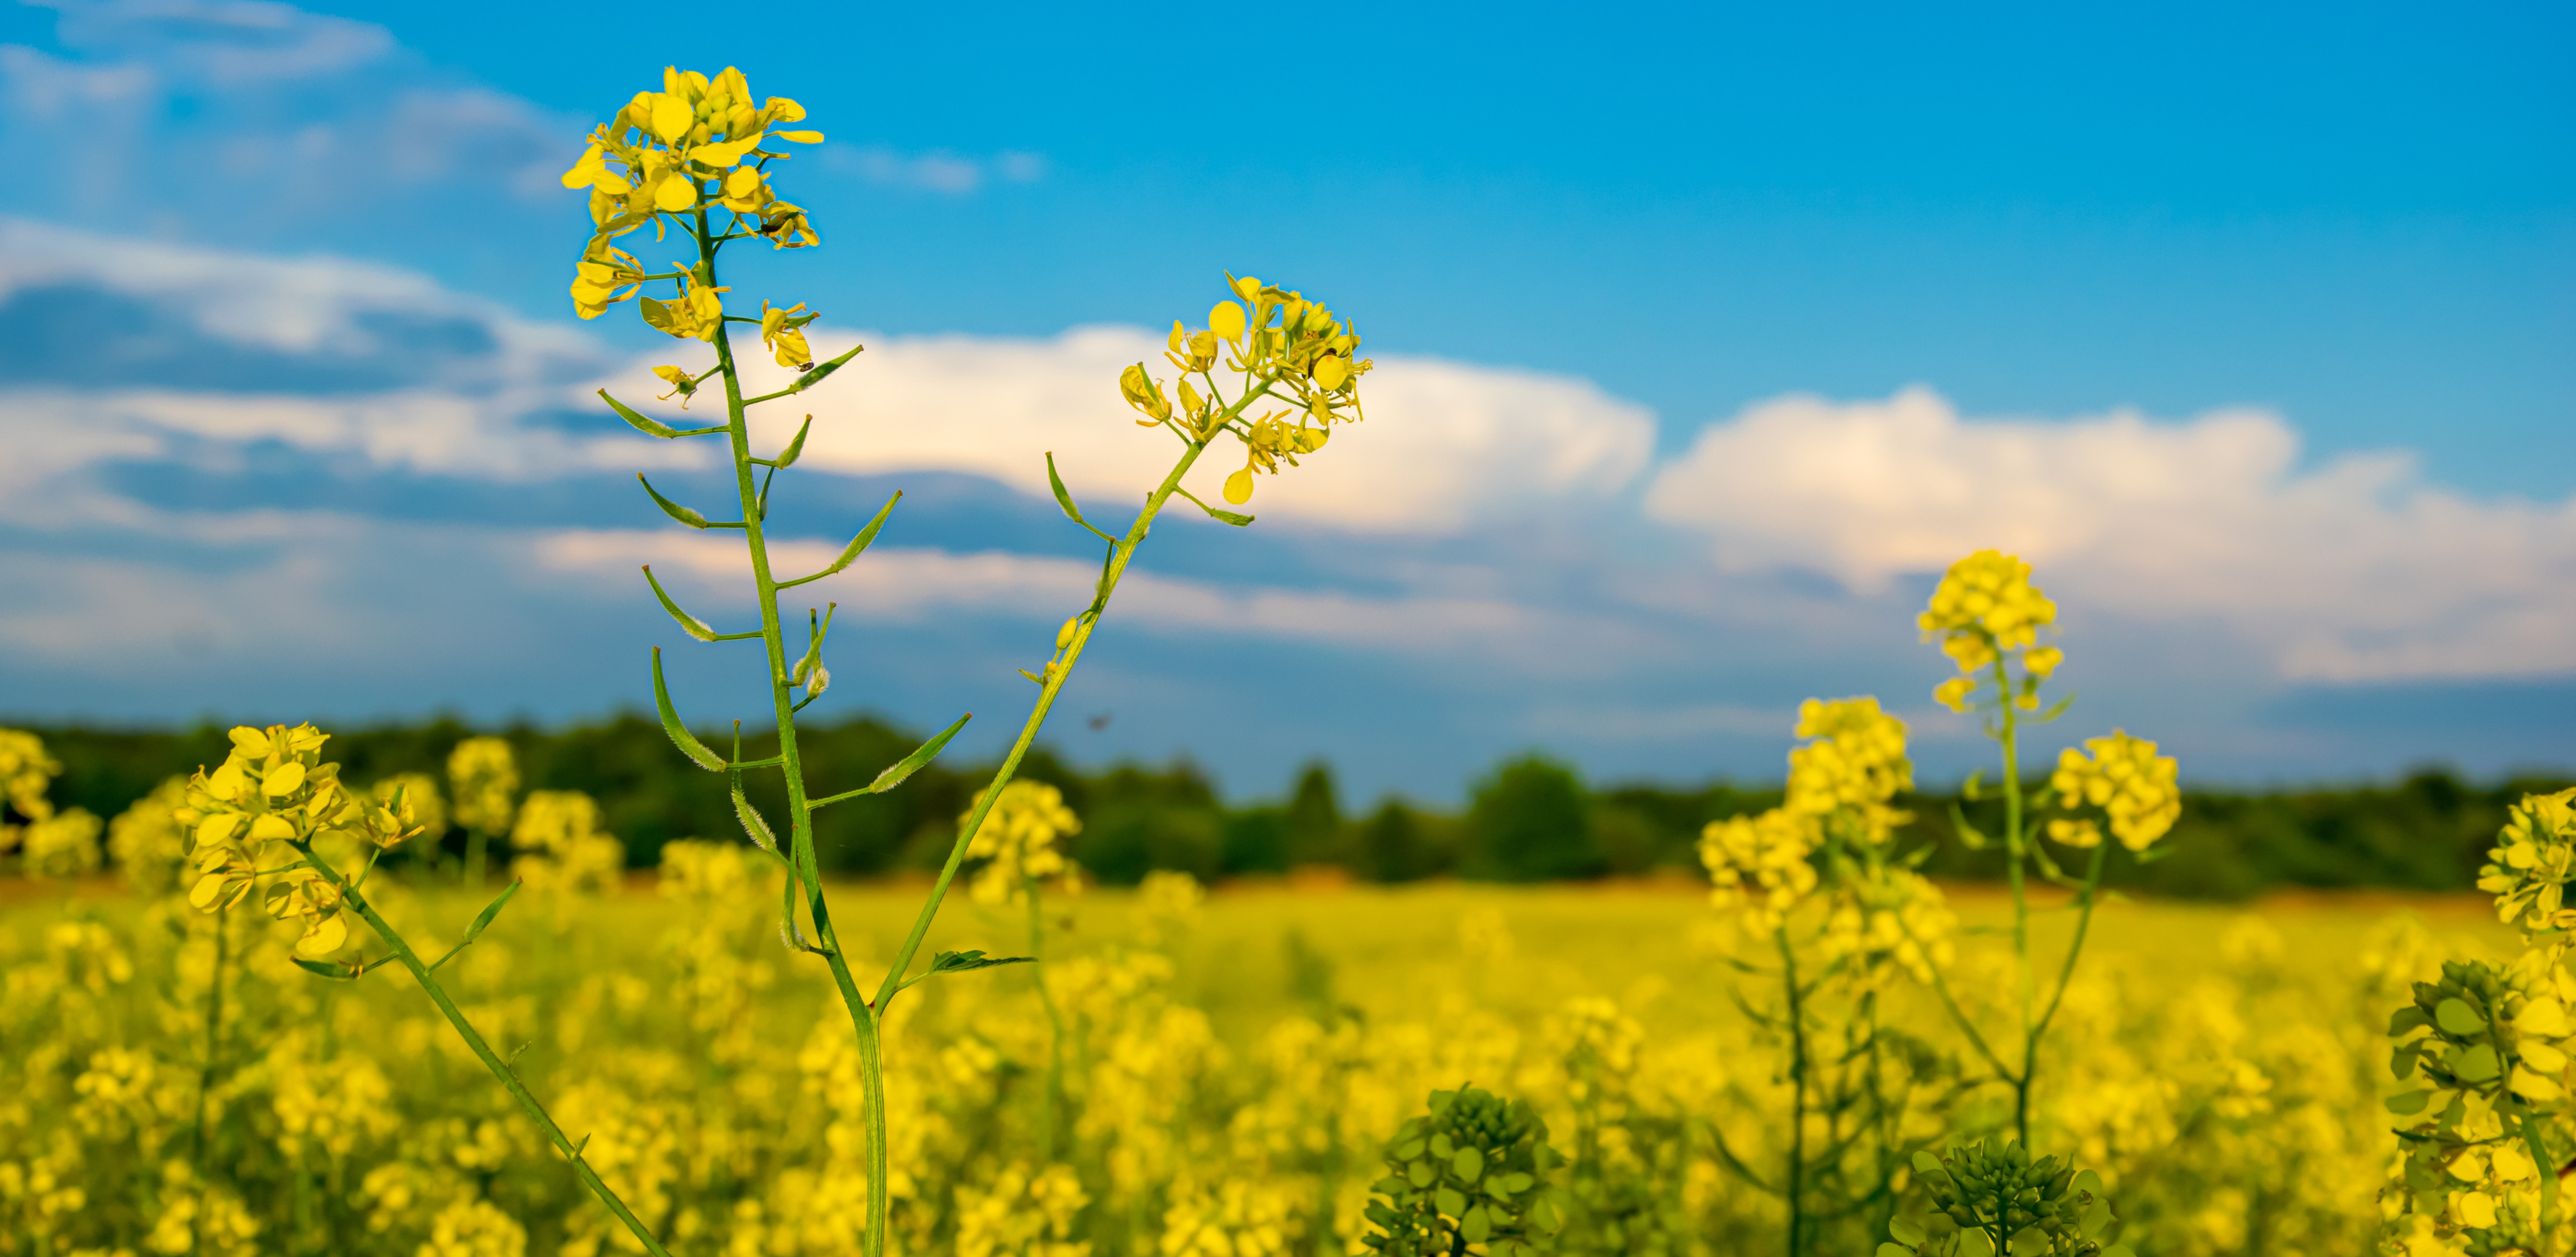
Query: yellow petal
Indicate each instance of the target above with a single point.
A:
(327, 935)
(270, 827)
(1226, 320)
(671, 117)
(283, 780)
(800, 137)
(1238, 487)
(204, 895)
(1331, 372)
(675, 193)
(218, 828)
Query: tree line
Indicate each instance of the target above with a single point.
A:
(1530, 818)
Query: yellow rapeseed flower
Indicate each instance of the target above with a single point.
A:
(1857, 761)
(2534, 859)
(2134, 787)
(1758, 864)
(1018, 842)
(483, 779)
(784, 332)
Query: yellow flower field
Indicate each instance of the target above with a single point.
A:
(1236, 1064)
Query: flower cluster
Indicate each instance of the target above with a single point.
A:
(1287, 349)
(1993, 1188)
(1476, 1171)
(274, 790)
(2533, 861)
(1857, 764)
(2134, 787)
(1017, 843)
(483, 779)
(1985, 608)
(2491, 1043)
(562, 845)
(696, 144)
(1758, 865)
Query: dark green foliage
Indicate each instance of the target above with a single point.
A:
(1256, 841)
(1399, 843)
(1476, 1170)
(1531, 822)
(1313, 819)
(1531, 819)
(1139, 821)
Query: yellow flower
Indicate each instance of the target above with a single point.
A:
(1758, 864)
(1145, 394)
(1017, 842)
(1986, 604)
(565, 848)
(2135, 788)
(2533, 861)
(786, 227)
(302, 894)
(683, 385)
(784, 332)
(483, 778)
(63, 845)
(224, 876)
(1856, 764)
(697, 312)
(2075, 833)
(605, 277)
(2043, 661)
(1953, 693)
(25, 770)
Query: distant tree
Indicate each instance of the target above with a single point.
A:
(1315, 831)
(1530, 822)
(1256, 841)
(1395, 844)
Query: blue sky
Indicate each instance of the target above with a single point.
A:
(1709, 336)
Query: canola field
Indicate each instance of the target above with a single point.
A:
(1236, 1065)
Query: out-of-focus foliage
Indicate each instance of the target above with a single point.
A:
(2429, 831)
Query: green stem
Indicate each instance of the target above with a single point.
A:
(804, 865)
(2548, 1177)
(1054, 1103)
(2015, 856)
(1795, 1179)
(501, 1070)
(2084, 901)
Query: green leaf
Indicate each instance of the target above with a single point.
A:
(671, 508)
(336, 970)
(2409, 1103)
(650, 426)
(1064, 499)
(491, 912)
(850, 552)
(679, 733)
(2407, 1019)
(2456, 1017)
(1476, 1226)
(967, 961)
(2478, 1064)
(1968, 834)
(1452, 1202)
(921, 756)
(1904, 1231)
(1926, 1163)
(1468, 1165)
(1891, 1250)
(787, 457)
(689, 624)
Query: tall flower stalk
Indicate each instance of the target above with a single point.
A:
(1987, 614)
(696, 156)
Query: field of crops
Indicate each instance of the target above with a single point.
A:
(1236, 1068)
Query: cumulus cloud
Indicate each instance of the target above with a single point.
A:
(2354, 570)
(1445, 444)
(913, 584)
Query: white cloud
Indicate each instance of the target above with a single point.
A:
(1445, 444)
(935, 171)
(2356, 570)
(911, 584)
